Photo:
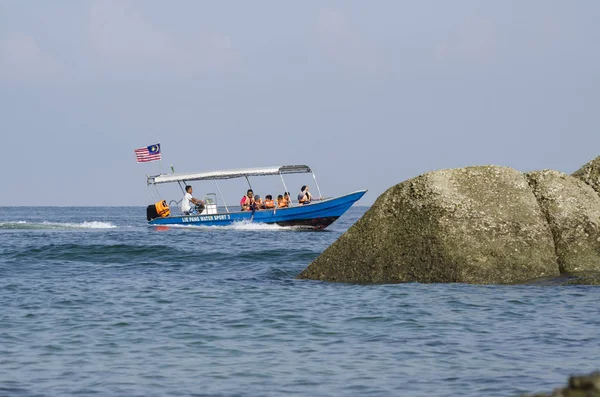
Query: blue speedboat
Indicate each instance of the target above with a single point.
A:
(320, 213)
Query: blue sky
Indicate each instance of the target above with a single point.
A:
(369, 94)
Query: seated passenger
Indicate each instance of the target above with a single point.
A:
(281, 202)
(258, 202)
(304, 197)
(287, 198)
(247, 202)
(269, 203)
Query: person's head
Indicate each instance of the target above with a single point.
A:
(269, 197)
(188, 189)
(280, 197)
(249, 193)
(304, 188)
(257, 198)
(286, 194)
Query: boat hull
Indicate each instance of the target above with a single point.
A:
(317, 215)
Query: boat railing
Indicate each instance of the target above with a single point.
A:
(210, 204)
(213, 207)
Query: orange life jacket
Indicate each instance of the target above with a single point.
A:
(162, 209)
(269, 204)
(282, 203)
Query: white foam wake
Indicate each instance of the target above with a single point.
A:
(56, 225)
(241, 225)
(247, 225)
(95, 225)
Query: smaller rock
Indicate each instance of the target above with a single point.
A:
(579, 386)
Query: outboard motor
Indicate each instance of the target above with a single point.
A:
(151, 212)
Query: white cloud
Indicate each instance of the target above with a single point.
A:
(474, 40)
(124, 38)
(22, 59)
(345, 46)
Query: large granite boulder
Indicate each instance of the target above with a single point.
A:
(471, 225)
(590, 174)
(572, 209)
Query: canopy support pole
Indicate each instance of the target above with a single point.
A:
(316, 184)
(285, 187)
(182, 187)
(248, 180)
(221, 194)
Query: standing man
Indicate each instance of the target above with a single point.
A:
(188, 200)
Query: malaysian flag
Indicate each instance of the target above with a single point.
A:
(148, 153)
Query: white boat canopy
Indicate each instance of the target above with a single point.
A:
(216, 175)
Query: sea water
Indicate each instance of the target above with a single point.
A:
(93, 302)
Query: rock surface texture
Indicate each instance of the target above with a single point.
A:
(482, 225)
(470, 225)
(590, 174)
(572, 209)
